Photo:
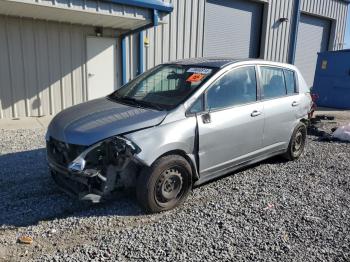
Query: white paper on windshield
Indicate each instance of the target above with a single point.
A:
(198, 70)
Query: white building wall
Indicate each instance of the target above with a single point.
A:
(42, 66)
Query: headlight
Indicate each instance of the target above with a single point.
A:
(77, 165)
(111, 150)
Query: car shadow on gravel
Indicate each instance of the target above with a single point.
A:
(28, 194)
(273, 161)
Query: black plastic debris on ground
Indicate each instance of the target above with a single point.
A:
(324, 117)
(314, 128)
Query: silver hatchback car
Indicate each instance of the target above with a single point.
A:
(177, 126)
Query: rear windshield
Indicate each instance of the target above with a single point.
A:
(163, 87)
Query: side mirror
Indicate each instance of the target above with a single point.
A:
(206, 118)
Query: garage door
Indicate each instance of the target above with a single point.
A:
(313, 37)
(232, 28)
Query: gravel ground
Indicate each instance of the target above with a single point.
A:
(275, 211)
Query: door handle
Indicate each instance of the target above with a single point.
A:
(295, 103)
(255, 113)
(206, 118)
(90, 75)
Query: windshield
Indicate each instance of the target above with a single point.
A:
(163, 87)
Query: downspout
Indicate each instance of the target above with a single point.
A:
(294, 32)
(124, 60)
(141, 44)
(155, 20)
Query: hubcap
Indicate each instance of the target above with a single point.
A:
(298, 141)
(169, 186)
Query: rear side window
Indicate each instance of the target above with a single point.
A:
(237, 87)
(289, 77)
(272, 82)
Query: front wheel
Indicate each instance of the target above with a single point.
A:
(165, 185)
(297, 143)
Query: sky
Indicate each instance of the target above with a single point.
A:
(347, 35)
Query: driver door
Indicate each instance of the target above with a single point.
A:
(231, 129)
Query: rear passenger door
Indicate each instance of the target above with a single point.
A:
(279, 94)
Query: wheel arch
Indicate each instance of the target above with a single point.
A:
(305, 121)
(188, 157)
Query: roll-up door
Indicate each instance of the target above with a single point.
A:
(232, 28)
(313, 37)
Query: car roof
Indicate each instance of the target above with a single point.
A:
(221, 62)
(218, 62)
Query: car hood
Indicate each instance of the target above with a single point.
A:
(90, 122)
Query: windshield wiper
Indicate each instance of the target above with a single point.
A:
(138, 103)
(151, 105)
(127, 100)
(130, 100)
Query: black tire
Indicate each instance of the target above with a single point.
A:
(297, 143)
(164, 185)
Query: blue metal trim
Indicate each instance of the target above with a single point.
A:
(141, 39)
(151, 4)
(155, 22)
(294, 32)
(123, 46)
(155, 17)
(124, 81)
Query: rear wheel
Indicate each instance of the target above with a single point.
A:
(165, 185)
(297, 143)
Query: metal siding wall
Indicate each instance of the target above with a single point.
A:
(277, 38)
(83, 12)
(344, 23)
(42, 66)
(333, 9)
(181, 37)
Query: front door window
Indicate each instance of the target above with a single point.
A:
(237, 87)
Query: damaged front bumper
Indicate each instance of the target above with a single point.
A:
(99, 171)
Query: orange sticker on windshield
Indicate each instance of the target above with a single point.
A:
(195, 78)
